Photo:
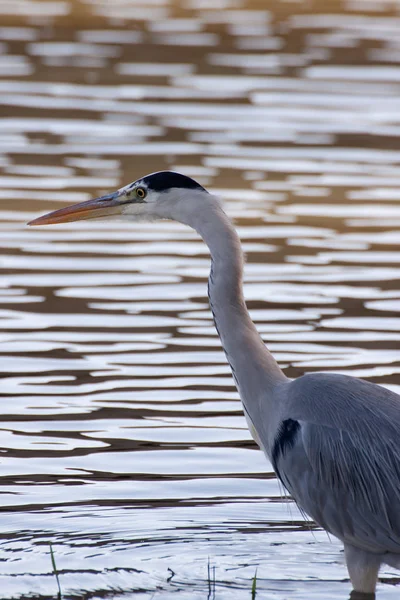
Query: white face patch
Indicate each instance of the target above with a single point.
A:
(162, 195)
(157, 186)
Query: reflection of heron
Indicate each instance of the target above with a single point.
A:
(334, 440)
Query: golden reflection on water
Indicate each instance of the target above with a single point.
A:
(122, 436)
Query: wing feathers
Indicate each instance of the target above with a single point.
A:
(341, 462)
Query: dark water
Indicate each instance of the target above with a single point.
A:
(122, 437)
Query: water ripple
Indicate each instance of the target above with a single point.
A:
(122, 438)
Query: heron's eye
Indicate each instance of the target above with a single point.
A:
(141, 193)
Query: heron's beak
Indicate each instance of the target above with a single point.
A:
(106, 206)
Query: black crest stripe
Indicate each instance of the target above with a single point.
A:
(165, 180)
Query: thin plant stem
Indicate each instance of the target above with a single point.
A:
(53, 562)
(210, 580)
(254, 587)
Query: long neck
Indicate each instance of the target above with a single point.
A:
(254, 369)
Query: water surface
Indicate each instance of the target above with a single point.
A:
(122, 436)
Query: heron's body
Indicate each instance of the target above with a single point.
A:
(333, 440)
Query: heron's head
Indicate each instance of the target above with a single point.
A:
(162, 195)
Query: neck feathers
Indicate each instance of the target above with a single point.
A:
(254, 369)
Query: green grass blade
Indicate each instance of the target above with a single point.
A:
(254, 587)
(53, 562)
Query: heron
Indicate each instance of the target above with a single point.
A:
(332, 439)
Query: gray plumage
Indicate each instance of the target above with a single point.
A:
(333, 440)
(344, 466)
